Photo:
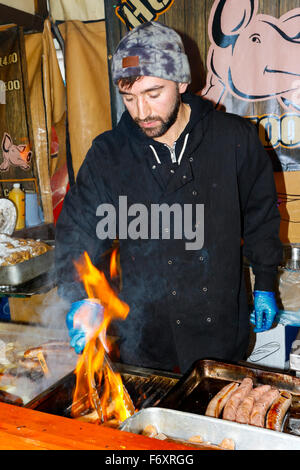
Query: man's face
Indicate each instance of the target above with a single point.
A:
(153, 103)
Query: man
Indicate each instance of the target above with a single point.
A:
(171, 150)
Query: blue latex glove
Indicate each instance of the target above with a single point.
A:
(288, 318)
(83, 320)
(265, 310)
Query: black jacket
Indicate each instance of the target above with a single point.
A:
(184, 304)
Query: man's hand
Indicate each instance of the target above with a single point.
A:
(83, 320)
(265, 310)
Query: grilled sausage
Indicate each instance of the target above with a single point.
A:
(278, 411)
(217, 403)
(30, 364)
(236, 398)
(196, 439)
(244, 410)
(51, 347)
(260, 408)
(228, 444)
(150, 431)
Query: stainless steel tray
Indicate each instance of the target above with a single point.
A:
(22, 337)
(180, 425)
(22, 272)
(197, 387)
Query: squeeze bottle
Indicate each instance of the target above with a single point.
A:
(17, 196)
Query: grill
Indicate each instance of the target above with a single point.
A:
(188, 393)
(146, 388)
(175, 404)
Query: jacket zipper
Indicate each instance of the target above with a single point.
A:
(172, 152)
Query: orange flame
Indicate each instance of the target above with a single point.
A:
(93, 367)
(113, 264)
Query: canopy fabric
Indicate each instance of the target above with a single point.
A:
(88, 97)
(24, 5)
(83, 10)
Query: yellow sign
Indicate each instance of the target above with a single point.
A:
(278, 131)
(135, 12)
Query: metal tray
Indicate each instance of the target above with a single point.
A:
(22, 337)
(27, 270)
(179, 425)
(197, 387)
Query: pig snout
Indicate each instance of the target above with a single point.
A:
(16, 158)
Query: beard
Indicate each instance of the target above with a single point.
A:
(165, 124)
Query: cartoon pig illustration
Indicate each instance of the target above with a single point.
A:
(253, 56)
(14, 155)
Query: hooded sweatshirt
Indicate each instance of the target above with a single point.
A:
(182, 277)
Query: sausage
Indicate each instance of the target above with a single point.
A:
(228, 444)
(217, 403)
(48, 348)
(150, 431)
(278, 411)
(236, 398)
(30, 364)
(244, 410)
(196, 439)
(260, 408)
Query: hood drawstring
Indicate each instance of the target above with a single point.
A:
(155, 154)
(183, 149)
(181, 153)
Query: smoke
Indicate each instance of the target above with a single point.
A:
(52, 313)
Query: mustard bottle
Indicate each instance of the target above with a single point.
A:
(17, 196)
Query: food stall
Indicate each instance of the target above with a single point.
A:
(50, 397)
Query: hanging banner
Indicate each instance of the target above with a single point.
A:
(135, 12)
(254, 71)
(17, 160)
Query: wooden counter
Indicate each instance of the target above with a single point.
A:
(24, 429)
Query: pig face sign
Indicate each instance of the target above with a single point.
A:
(14, 155)
(253, 56)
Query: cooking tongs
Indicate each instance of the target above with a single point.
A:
(95, 391)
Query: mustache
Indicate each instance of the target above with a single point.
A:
(148, 119)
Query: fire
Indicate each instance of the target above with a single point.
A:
(113, 264)
(94, 369)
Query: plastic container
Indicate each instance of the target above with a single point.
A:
(17, 196)
(32, 214)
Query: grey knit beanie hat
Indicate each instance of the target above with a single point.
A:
(151, 49)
